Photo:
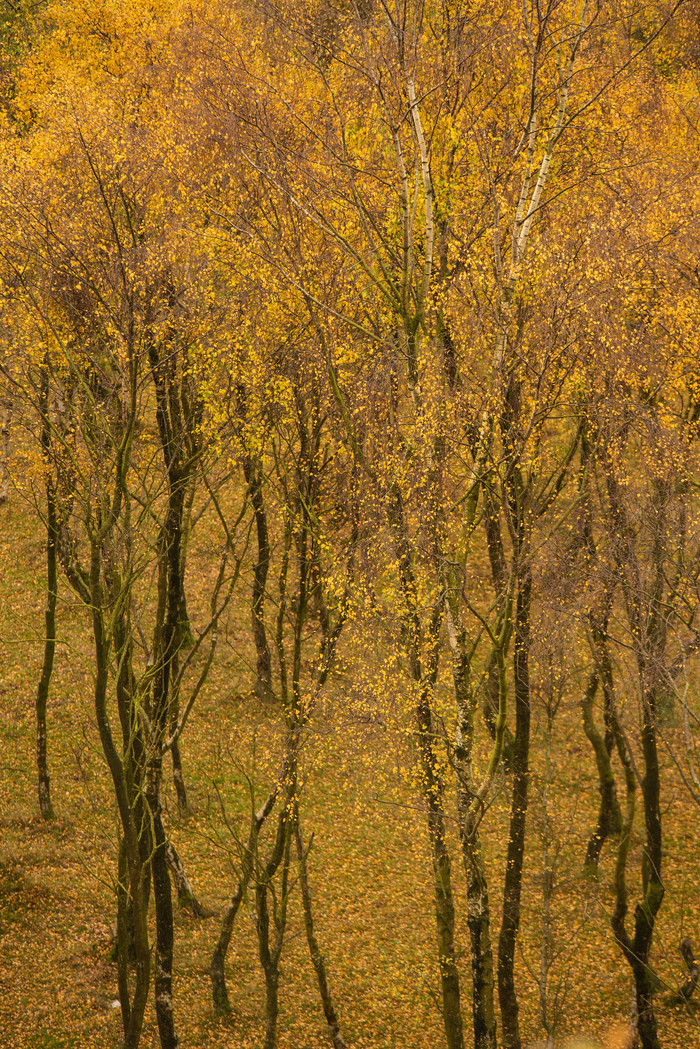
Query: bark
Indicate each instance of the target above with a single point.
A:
(217, 973)
(317, 958)
(216, 969)
(609, 815)
(470, 808)
(518, 818)
(190, 481)
(645, 912)
(132, 1012)
(609, 820)
(185, 893)
(42, 694)
(124, 936)
(432, 786)
(166, 646)
(270, 950)
(134, 764)
(499, 574)
(5, 418)
(183, 804)
(263, 679)
(686, 948)
(479, 919)
(646, 614)
(442, 877)
(165, 933)
(165, 938)
(621, 902)
(175, 416)
(548, 1017)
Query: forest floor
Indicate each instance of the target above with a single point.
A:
(369, 864)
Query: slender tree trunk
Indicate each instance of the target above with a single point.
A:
(469, 813)
(499, 574)
(442, 878)
(317, 958)
(216, 969)
(270, 970)
(165, 938)
(432, 786)
(133, 1012)
(162, 891)
(518, 818)
(185, 893)
(5, 416)
(609, 815)
(171, 428)
(647, 617)
(124, 936)
(548, 1017)
(645, 913)
(42, 693)
(479, 919)
(263, 678)
(685, 992)
(183, 804)
(270, 953)
(272, 1008)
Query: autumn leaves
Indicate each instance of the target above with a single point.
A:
(396, 303)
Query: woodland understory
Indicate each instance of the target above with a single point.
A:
(349, 524)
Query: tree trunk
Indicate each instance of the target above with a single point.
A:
(165, 936)
(479, 919)
(216, 969)
(442, 878)
(314, 949)
(518, 817)
(645, 913)
(263, 679)
(432, 787)
(217, 972)
(183, 805)
(5, 416)
(270, 970)
(124, 936)
(167, 643)
(470, 810)
(268, 953)
(133, 1012)
(647, 615)
(185, 893)
(685, 992)
(609, 815)
(42, 693)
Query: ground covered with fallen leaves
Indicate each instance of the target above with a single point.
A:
(369, 864)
